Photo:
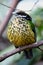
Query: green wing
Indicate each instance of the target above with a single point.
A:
(33, 28)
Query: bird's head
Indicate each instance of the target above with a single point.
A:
(24, 15)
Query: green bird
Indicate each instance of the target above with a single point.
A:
(21, 32)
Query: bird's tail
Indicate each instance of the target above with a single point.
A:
(28, 54)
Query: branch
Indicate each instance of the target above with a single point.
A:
(4, 56)
(8, 16)
(34, 5)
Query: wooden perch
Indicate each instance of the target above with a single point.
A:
(4, 56)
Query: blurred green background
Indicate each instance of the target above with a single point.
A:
(37, 18)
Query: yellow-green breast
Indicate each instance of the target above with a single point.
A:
(19, 32)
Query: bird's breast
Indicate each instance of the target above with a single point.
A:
(20, 33)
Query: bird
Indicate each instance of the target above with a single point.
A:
(21, 32)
